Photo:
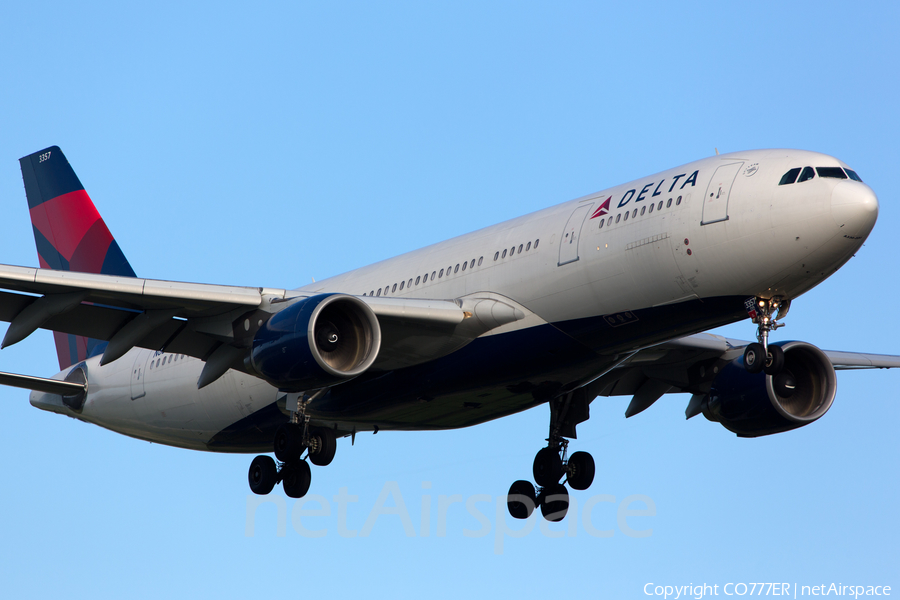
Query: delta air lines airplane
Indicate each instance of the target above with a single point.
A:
(608, 294)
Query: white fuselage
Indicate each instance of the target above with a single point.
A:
(719, 228)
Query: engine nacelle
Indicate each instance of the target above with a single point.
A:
(752, 405)
(316, 342)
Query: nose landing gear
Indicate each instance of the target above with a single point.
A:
(760, 356)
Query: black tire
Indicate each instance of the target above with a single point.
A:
(521, 499)
(263, 475)
(774, 360)
(296, 478)
(554, 502)
(754, 358)
(326, 446)
(547, 468)
(288, 445)
(581, 470)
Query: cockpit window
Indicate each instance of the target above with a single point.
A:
(831, 172)
(853, 175)
(806, 174)
(789, 177)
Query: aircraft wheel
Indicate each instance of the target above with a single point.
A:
(581, 470)
(296, 478)
(263, 475)
(326, 446)
(547, 467)
(521, 499)
(754, 358)
(554, 502)
(288, 444)
(774, 360)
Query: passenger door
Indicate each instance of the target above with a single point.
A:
(568, 243)
(715, 203)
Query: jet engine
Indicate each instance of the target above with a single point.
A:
(752, 405)
(316, 342)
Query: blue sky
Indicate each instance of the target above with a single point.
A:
(268, 145)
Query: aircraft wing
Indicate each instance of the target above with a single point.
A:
(689, 365)
(201, 320)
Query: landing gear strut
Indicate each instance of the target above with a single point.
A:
(291, 440)
(760, 356)
(550, 466)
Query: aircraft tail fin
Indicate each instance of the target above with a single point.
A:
(69, 233)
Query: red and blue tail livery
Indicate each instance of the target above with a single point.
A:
(69, 233)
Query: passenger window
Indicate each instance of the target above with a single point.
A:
(853, 175)
(512, 250)
(619, 216)
(417, 280)
(504, 253)
(831, 172)
(480, 259)
(626, 215)
(465, 264)
(806, 174)
(472, 264)
(402, 283)
(372, 293)
(652, 206)
(536, 242)
(669, 203)
(496, 255)
(789, 177)
(379, 291)
(634, 214)
(602, 221)
(609, 222)
(528, 247)
(433, 273)
(678, 201)
(456, 270)
(660, 205)
(520, 248)
(643, 210)
(441, 274)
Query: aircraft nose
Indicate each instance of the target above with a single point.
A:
(854, 207)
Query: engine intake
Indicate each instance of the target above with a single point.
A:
(753, 405)
(316, 342)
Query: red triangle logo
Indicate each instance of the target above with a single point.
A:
(604, 209)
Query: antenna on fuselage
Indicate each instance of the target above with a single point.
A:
(717, 151)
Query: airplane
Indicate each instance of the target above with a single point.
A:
(606, 295)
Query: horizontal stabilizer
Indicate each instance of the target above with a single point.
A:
(42, 384)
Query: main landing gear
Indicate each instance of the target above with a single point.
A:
(291, 440)
(550, 466)
(760, 356)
